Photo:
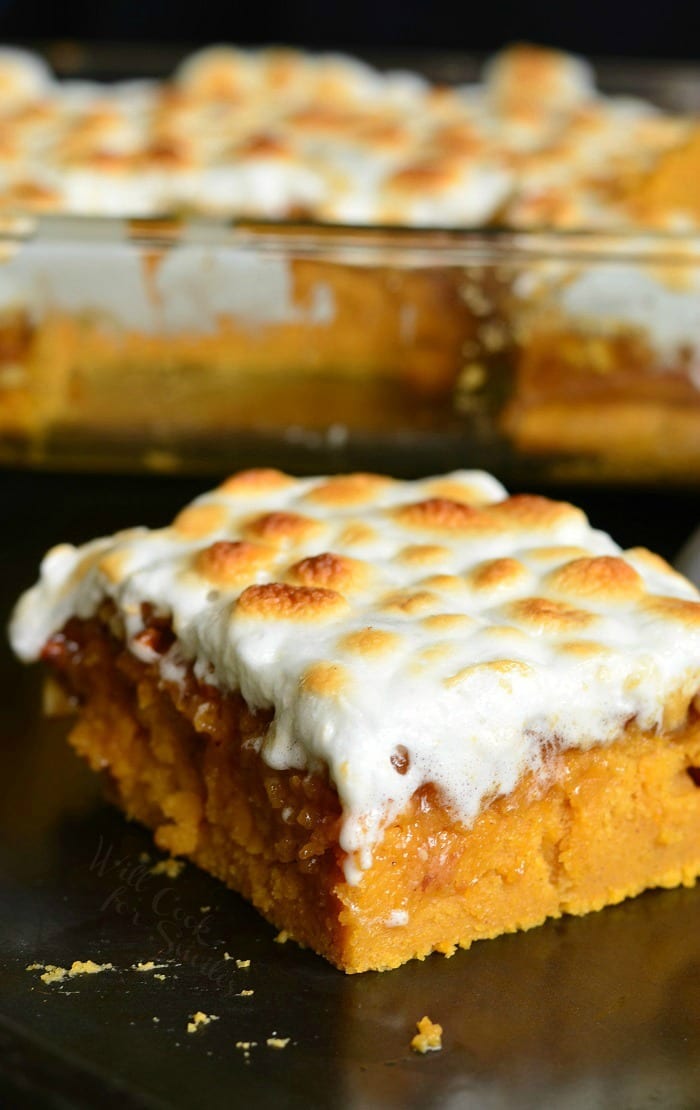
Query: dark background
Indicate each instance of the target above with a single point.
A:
(624, 28)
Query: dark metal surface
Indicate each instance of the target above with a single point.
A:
(602, 1011)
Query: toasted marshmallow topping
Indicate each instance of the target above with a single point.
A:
(278, 134)
(401, 638)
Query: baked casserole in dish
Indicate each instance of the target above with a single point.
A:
(278, 248)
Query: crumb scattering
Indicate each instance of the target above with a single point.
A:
(245, 1047)
(428, 1038)
(171, 867)
(282, 937)
(278, 1042)
(239, 963)
(147, 965)
(200, 1019)
(55, 974)
(160, 976)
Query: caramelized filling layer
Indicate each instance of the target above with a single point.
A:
(599, 826)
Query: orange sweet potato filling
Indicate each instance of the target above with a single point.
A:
(607, 397)
(396, 370)
(602, 825)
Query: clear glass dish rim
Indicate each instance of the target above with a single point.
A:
(315, 238)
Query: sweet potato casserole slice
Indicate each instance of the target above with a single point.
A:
(397, 716)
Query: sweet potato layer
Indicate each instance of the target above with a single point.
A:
(395, 370)
(605, 824)
(412, 349)
(607, 399)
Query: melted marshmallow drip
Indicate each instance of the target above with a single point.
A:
(469, 726)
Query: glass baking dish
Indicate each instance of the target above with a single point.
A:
(201, 344)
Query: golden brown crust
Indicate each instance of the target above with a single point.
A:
(542, 613)
(606, 578)
(251, 483)
(455, 490)
(282, 528)
(278, 111)
(497, 573)
(370, 641)
(325, 680)
(440, 514)
(231, 562)
(423, 554)
(584, 649)
(444, 622)
(556, 553)
(674, 608)
(410, 603)
(200, 520)
(528, 510)
(669, 187)
(431, 175)
(357, 533)
(504, 668)
(113, 565)
(280, 601)
(336, 572)
(349, 489)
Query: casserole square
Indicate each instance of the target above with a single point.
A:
(397, 716)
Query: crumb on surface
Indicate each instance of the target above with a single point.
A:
(160, 976)
(227, 956)
(204, 909)
(242, 963)
(156, 1019)
(171, 867)
(284, 935)
(200, 1019)
(54, 974)
(245, 1047)
(429, 1036)
(278, 1042)
(245, 994)
(147, 965)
